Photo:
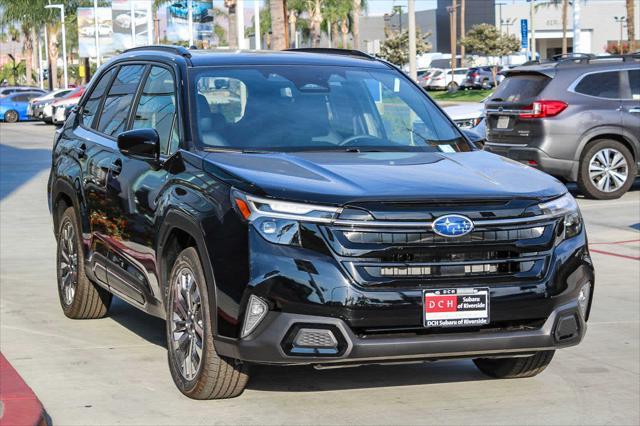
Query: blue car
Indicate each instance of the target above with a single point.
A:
(13, 107)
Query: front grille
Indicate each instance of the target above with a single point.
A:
(380, 255)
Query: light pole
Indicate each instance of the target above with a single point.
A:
(64, 42)
(412, 40)
(256, 23)
(96, 31)
(620, 20)
(507, 23)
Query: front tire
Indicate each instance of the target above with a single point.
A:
(196, 368)
(607, 170)
(11, 116)
(515, 368)
(79, 297)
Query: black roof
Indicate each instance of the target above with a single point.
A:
(201, 58)
(581, 64)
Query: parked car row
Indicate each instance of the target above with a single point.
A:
(459, 78)
(22, 103)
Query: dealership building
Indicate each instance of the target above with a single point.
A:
(600, 25)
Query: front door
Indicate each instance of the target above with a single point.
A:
(631, 110)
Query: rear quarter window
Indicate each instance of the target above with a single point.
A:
(521, 88)
(601, 85)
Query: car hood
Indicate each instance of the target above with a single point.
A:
(340, 178)
(465, 111)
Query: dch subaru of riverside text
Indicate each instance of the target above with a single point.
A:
(313, 207)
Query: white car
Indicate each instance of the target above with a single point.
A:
(442, 79)
(469, 116)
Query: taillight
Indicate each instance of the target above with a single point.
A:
(474, 75)
(543, 109)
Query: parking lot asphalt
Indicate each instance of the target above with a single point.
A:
(114, 370)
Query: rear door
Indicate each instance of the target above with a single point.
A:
(516, 94)
(631, 109)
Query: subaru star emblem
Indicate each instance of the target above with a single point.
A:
(452, 225)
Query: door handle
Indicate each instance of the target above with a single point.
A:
(116, 167)
(634, 110)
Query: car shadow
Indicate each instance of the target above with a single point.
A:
(15, 171)
(147, 326)
(308, 379)
(573, 188)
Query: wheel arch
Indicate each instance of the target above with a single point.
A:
(63, 197)
(178, 232)
(611, 133)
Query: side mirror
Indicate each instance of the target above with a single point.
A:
(474, 138)
(143, 144)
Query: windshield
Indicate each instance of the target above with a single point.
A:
(297, 108)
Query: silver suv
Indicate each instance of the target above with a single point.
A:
(576, 119)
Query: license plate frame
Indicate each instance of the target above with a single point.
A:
(456, 307)
(503, 122)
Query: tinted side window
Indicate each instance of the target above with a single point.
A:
(521, 88)
(634, 82)
(602, 85)
(117, 105)
(157, 105)
(90, 109)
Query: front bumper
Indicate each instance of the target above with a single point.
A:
(308, 289)
(565, 169)
(564, 327)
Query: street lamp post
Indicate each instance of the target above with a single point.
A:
(64, 42)
(620, 20)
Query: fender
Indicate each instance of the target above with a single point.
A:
(176, 219)
(63, 185)
(604, 130)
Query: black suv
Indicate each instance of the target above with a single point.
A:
(576, 118)
(306, 208)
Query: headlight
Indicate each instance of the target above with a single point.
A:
(278, 221)
(565, 206)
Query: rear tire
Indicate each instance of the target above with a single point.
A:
(453, 87)
(79, 297)
(196, 368)
(11, 116)
(607, 170)
(514, 368)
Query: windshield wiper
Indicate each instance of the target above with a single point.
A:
(356, 149)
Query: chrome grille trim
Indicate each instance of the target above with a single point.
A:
(422, 225)
(358, 236)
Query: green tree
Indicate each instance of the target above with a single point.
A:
(395, 48)
(486, 40)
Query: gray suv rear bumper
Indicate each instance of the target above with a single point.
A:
(564, 169)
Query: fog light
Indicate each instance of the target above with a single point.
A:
(269, 227)
(315, 338)
(583, 299)
(257, 309)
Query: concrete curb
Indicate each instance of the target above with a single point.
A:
(19, 406)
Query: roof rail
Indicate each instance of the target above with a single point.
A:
(590, 59)
(333, 51)
(178, 50)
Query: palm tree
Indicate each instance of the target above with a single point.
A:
(331, 15)
(565, 7)
(233, 23)
(631, 26)
(314, 10)
(355, 22)
(19, 11)
(276, 7)
(156, 23)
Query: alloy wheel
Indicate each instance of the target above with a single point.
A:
(608, 170)
(11, 116)
(187, 325)
(68, 263)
